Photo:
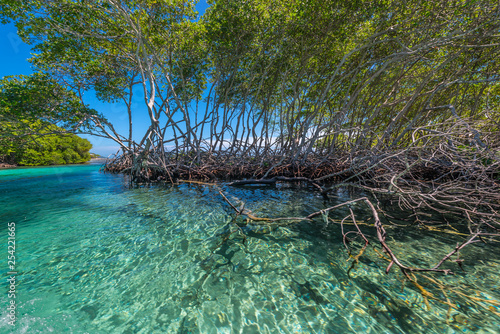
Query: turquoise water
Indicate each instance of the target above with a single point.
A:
(96, 256)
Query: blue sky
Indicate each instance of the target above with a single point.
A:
(14, 57)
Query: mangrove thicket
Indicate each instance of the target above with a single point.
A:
(397, 98)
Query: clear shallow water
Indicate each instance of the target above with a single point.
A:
(95, 256)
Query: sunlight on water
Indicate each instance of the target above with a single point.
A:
(95, 256)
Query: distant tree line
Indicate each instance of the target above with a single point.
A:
(45, 148)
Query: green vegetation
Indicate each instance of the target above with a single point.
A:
(46, 149)
(49, 145)
(37, 119)
(54, 150)
(293, 77)
(25, 100)
(398, 98)
(272, 82)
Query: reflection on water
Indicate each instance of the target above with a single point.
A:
(95, 256)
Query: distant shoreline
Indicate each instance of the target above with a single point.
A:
(5, 165)
(96, 161)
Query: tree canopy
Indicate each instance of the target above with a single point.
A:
(25, 100)
(287, 76)
(51, 146)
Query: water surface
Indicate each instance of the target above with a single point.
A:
(97, 256)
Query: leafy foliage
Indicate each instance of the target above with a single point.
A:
(288, 76)
(37, 116)
(28, 99)
(355, 67)
(46, 148)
